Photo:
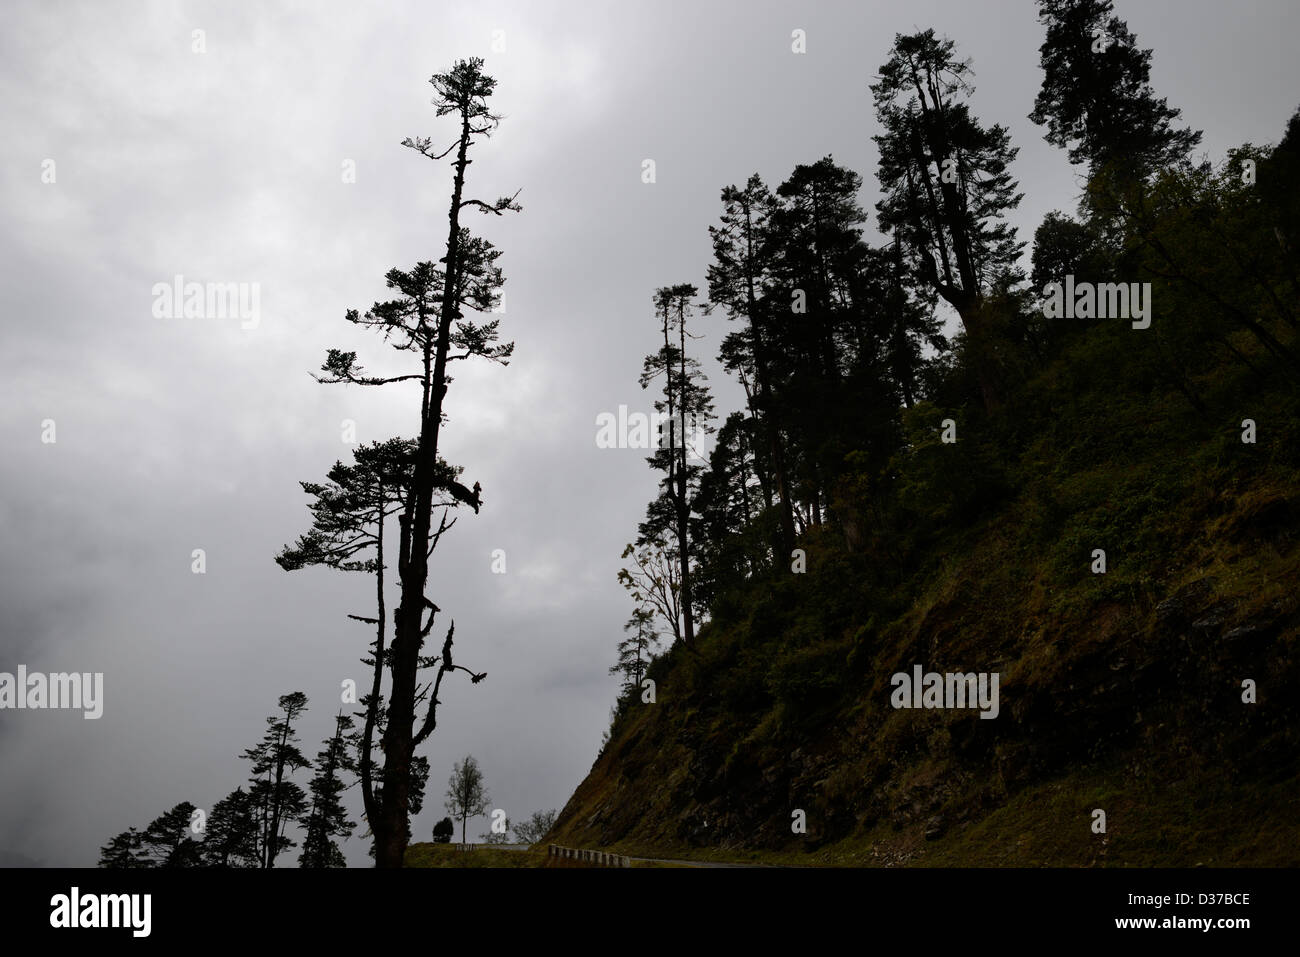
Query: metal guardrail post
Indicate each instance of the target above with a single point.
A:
(599, 858)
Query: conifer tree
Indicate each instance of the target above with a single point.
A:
(685, 400)
(738, 281)
(328, 818)
(122, 851)
(947, 185)
(231, 839)
(168, 840)
(429, 320)
(277, 801)
(1096, 99)
(636, 650)
(730, 541)
(349, 532)
(819, 259)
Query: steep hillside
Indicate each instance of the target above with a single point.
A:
(1101, 513)
(1121, 691)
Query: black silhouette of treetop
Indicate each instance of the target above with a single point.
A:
(428, 318)
(166, 842)
(1096, 99)
(817, 249)
(407, 323)
(738, 278)
(328, 818)
(946, 179)
(276, 800)
(685, 397)
(232, 835)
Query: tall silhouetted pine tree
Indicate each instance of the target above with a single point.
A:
(1096, 99)
(819, 255)
(688, 407)
(947, 185)
(739, 277)
(277, 801)
(429, 319)
(328, 818)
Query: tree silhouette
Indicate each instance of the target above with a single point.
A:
(428, 319)
(653, 580)
(685, 397)
(122, 851)
(231, 839)
(1096, 98)
(819, 261)
(328, 817)
(536, 827)
(947, 184)
(466, 796)
(348, 532)
(731, 543)
(276, 800)
(168, 840)
(636, 650)
(738, 278)
(443, 830)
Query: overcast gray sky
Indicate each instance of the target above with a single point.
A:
(177, 434)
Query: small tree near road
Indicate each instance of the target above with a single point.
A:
(466, 796)
(534, 829)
